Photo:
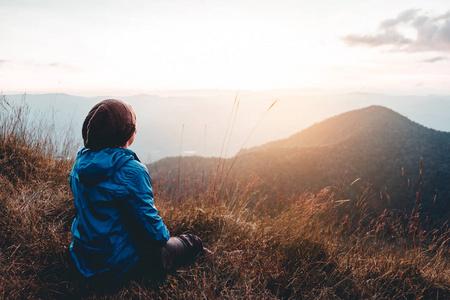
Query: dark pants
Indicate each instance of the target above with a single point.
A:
(156, 262)
(180, 250)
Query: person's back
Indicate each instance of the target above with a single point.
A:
(116, 221)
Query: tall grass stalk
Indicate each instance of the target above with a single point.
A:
(179, 164)
(218, 174)
(31, 128)
(204, 155)
(224, 162)
(226, 132)
(243, 145)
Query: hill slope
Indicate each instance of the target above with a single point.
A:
(359, 124)
(312, 246)
(374, 144)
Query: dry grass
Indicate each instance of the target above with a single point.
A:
(316, 245)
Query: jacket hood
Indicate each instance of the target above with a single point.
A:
(93, 167)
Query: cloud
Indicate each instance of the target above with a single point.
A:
(45, 65)
(62, 66)
(411, 31)
(435, 59)
(3, 61)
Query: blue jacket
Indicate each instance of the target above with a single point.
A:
(114, 211)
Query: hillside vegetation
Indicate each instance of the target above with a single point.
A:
(375, 144)
(322, 244)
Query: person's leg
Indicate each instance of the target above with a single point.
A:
(180, 250)
(156, 262)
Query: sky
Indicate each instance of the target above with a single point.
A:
(138, 46)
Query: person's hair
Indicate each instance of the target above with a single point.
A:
(109, 124)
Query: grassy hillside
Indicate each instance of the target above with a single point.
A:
(374, 144)
(312, 245)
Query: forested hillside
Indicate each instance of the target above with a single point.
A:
(396, 156)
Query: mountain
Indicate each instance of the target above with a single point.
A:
(373, 145)
(363, 125)
(199, 120)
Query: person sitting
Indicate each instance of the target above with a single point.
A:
(117, 227)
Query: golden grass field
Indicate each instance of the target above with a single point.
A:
(310, 245)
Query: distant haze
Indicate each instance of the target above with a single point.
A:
(206, 115)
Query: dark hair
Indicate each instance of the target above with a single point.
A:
(109, 124)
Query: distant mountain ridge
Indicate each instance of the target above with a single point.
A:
(205, 116)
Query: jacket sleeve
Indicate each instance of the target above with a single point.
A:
(143, 210)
